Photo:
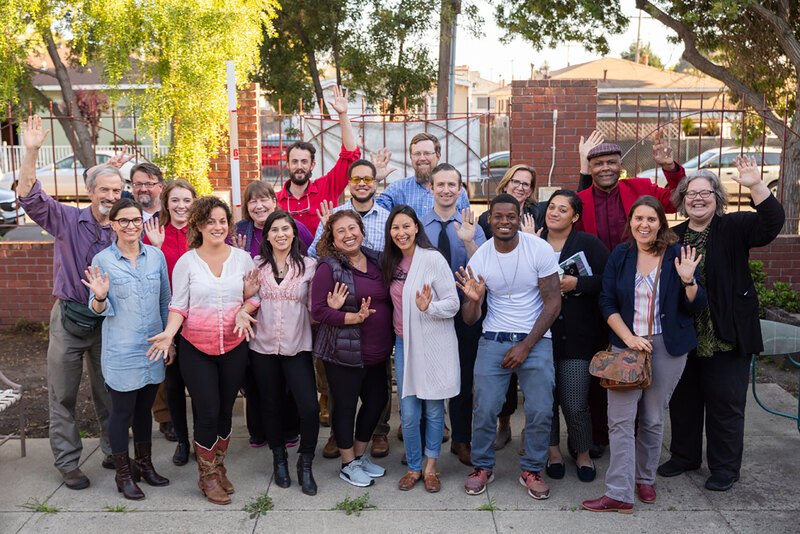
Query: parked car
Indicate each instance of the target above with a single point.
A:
(721, 162)
(67, 174)
(10, 212)
(483, 185)
(273, 153)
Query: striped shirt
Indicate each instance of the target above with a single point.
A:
(374, 226)
(643, 292)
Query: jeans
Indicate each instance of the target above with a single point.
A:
(537, 379)
(411, 412)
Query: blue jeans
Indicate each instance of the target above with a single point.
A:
(411, 412)
(536, 378)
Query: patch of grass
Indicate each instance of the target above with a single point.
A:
(85, 434)
(119, 508)
(35, 505)
(259, 506)
(490, 506)
(355, 506)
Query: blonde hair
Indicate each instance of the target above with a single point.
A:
(510, 174)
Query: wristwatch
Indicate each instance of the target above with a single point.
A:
(687, 284)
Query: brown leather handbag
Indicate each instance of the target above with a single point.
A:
(628, 369)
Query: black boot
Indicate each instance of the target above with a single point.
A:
(280, 467)
(143, 465)
(181, 456)
(304, 475)
(124, 480)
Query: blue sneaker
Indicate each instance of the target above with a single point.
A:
(373, 470)
(355, 475)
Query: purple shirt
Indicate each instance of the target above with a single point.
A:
(610, 216)
(78, 237)
(376, 331)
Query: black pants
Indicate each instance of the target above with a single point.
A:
(598, 409)
(290, 420)
(213, 383)
(129, 406)
(347, 385)
(461, 405)
(176, 399)
(717, 388)
(272, 374)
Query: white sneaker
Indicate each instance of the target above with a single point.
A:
(373, 470)
(355, 475)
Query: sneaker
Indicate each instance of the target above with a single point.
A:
(478, 480)
(257, 443)
(352, 473)
(502, 438)
(373, 470)
(537, 487)
(291, 441)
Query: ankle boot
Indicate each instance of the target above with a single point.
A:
(124, 480)
(304, 475)
(181, 456)
(209, 477)
(142, 467)
(222, 450)
(280, 467)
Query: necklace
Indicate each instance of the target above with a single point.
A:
(503, 274)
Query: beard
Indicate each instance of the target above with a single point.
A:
(145, 200)
(104, 209)
(422, 177)
(301, 178)
(365, 198)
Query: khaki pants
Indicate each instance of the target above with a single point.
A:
(160, 408)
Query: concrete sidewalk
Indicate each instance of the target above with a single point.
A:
(765, 500)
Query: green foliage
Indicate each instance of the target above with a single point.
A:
(781, 295)
(644, 50)
(259, 506)
(35, 505)
(119, 508)
(355, 506)
(490, 506)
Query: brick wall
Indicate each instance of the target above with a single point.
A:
(531, 134)
(26, 282)
(781, 260)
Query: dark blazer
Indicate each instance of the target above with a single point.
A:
(578, 331)
(732, 298)
(617, 296)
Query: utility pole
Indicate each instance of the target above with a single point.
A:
(450, 10)
(638, 34)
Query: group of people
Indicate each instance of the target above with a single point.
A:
(302, 305)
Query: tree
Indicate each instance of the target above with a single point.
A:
(753, 47)
(175, 48)
(646, 55)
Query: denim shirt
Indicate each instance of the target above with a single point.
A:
(136, 309)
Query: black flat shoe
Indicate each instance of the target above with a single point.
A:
(555, 471)
(671, 468)
(586, 473)
(719, 482)
(181, 456)
(596, 451)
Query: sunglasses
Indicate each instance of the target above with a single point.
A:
(366, 179)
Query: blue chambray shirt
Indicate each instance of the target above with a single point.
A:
(374, 226)
(136, 309)
(408, 191)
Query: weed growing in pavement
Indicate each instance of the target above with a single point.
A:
(35, 505)
(490, 506)
(259, 506)
(85, 434)
(355, 506)
(119, 508)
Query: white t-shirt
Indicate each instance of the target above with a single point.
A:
(518, 310)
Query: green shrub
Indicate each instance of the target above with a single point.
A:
(781, 295)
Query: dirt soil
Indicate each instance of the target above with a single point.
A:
(23, 359)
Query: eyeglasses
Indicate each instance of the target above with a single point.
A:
(366, 179)
(702, 194)
(146, 185)
(521, 185)
(124, 223)
(422, 154)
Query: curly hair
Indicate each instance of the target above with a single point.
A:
(325, 247)
(665, 236)
(198, 216)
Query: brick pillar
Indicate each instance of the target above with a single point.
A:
(249, 145)
(531, 136)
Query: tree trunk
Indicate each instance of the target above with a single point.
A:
(447, 18)
(81, 140)
(789, 188)
(311, 56)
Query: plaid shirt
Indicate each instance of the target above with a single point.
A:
(408, 191)
(374, 226)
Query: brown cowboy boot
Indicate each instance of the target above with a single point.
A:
(142, 467)
(222, 450)
(209, 476)
(124, 480)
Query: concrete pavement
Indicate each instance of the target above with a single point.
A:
(765, 500)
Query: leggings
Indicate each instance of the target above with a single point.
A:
(346, 385)
(272, 374)
(213, 383)
(572, 390)
(290, 419)
(176, 399)
(126, 406)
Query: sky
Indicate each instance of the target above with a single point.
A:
(493, 59)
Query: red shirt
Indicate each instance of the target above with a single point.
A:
(328, 187)
(610, 217)
(174, 246)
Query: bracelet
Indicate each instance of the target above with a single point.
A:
(102, 299)
(687, 284)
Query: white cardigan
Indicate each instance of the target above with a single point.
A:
(431, 368)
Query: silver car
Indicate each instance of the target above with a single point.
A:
(10, 212)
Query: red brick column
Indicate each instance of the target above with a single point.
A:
(26, 282)
(531, 135)
(249, 145)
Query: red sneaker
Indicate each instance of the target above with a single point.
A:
(478, 480)
(537, 487)
(607, 504)
(647, 493)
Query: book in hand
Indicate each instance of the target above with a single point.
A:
(576, 265)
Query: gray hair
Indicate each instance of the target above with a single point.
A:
(101, 170)
(720, 194)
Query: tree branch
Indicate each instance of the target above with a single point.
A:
(46, 72)
(783, 32)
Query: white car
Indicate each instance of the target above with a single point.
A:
(721, 162)
(64, 178)
(10, 212)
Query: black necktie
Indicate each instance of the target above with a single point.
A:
(444, 242)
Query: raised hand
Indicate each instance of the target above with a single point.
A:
(424, 297)
(154, 232)
(749, 171)
(586, 145)
(364, 312)
(97, 282)
(687, 263)
(662, 152)
(239, 241)
(466, 230)
(251, 284)
(528, 225)
(381, 161)
(118, 160)
(324, 211)
(160, 347)
(337, 297)
(473, 288)
(32, 134)
(339, 102)
(244, 324)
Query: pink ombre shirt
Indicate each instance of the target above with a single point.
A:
(208, 303)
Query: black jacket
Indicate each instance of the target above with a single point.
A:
(578, 331)
(732, 298)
